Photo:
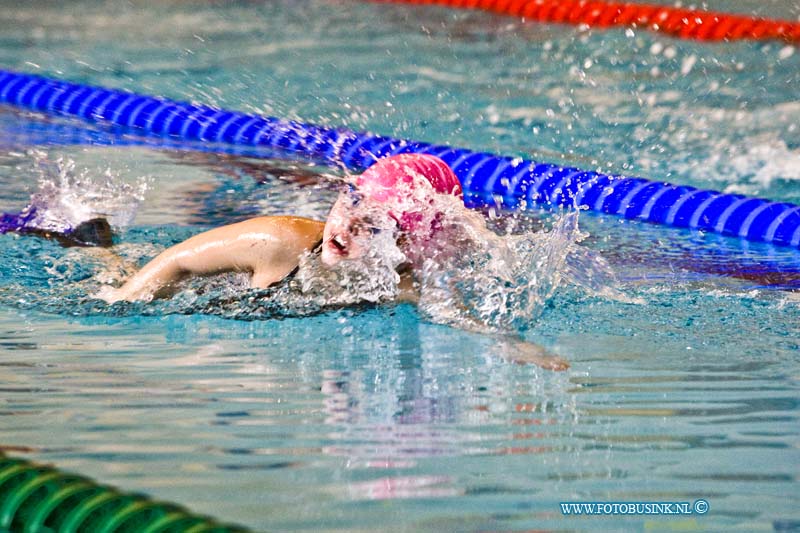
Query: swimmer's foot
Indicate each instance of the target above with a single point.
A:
(94, 232)
(524, 353)
(91, 233)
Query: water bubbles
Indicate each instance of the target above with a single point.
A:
(688, 64)
(492, 115)
(786, 52)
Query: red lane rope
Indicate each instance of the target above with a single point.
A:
(678, 22)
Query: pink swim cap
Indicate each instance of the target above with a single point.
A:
(398, 179)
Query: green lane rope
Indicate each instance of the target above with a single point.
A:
(36, 498)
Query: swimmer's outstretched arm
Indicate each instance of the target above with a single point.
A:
(267, 247)
(511, 347)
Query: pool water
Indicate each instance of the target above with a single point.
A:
(375, 418)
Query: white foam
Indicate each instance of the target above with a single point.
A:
(67, 197)
(762, 161)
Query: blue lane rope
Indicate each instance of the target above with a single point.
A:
(45, 131)
(487, 179)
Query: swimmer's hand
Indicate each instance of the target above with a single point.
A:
(112, 295)
(523, 352)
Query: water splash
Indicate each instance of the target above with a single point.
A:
(501, 283)
(467, 275)
(371, 278)
(66, 196)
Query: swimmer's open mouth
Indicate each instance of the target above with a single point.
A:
(339, 245)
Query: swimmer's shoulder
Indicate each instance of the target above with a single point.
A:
(276, 257)
(282, 234)
(288, 227)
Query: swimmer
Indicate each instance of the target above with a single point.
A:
(269, 248)
(395, 195)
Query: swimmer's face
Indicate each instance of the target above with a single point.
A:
(346, 234)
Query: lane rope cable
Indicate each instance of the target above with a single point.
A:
(675, 21)
(39, 498)
(487, 179)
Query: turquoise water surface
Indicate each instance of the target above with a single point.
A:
(375, 418)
